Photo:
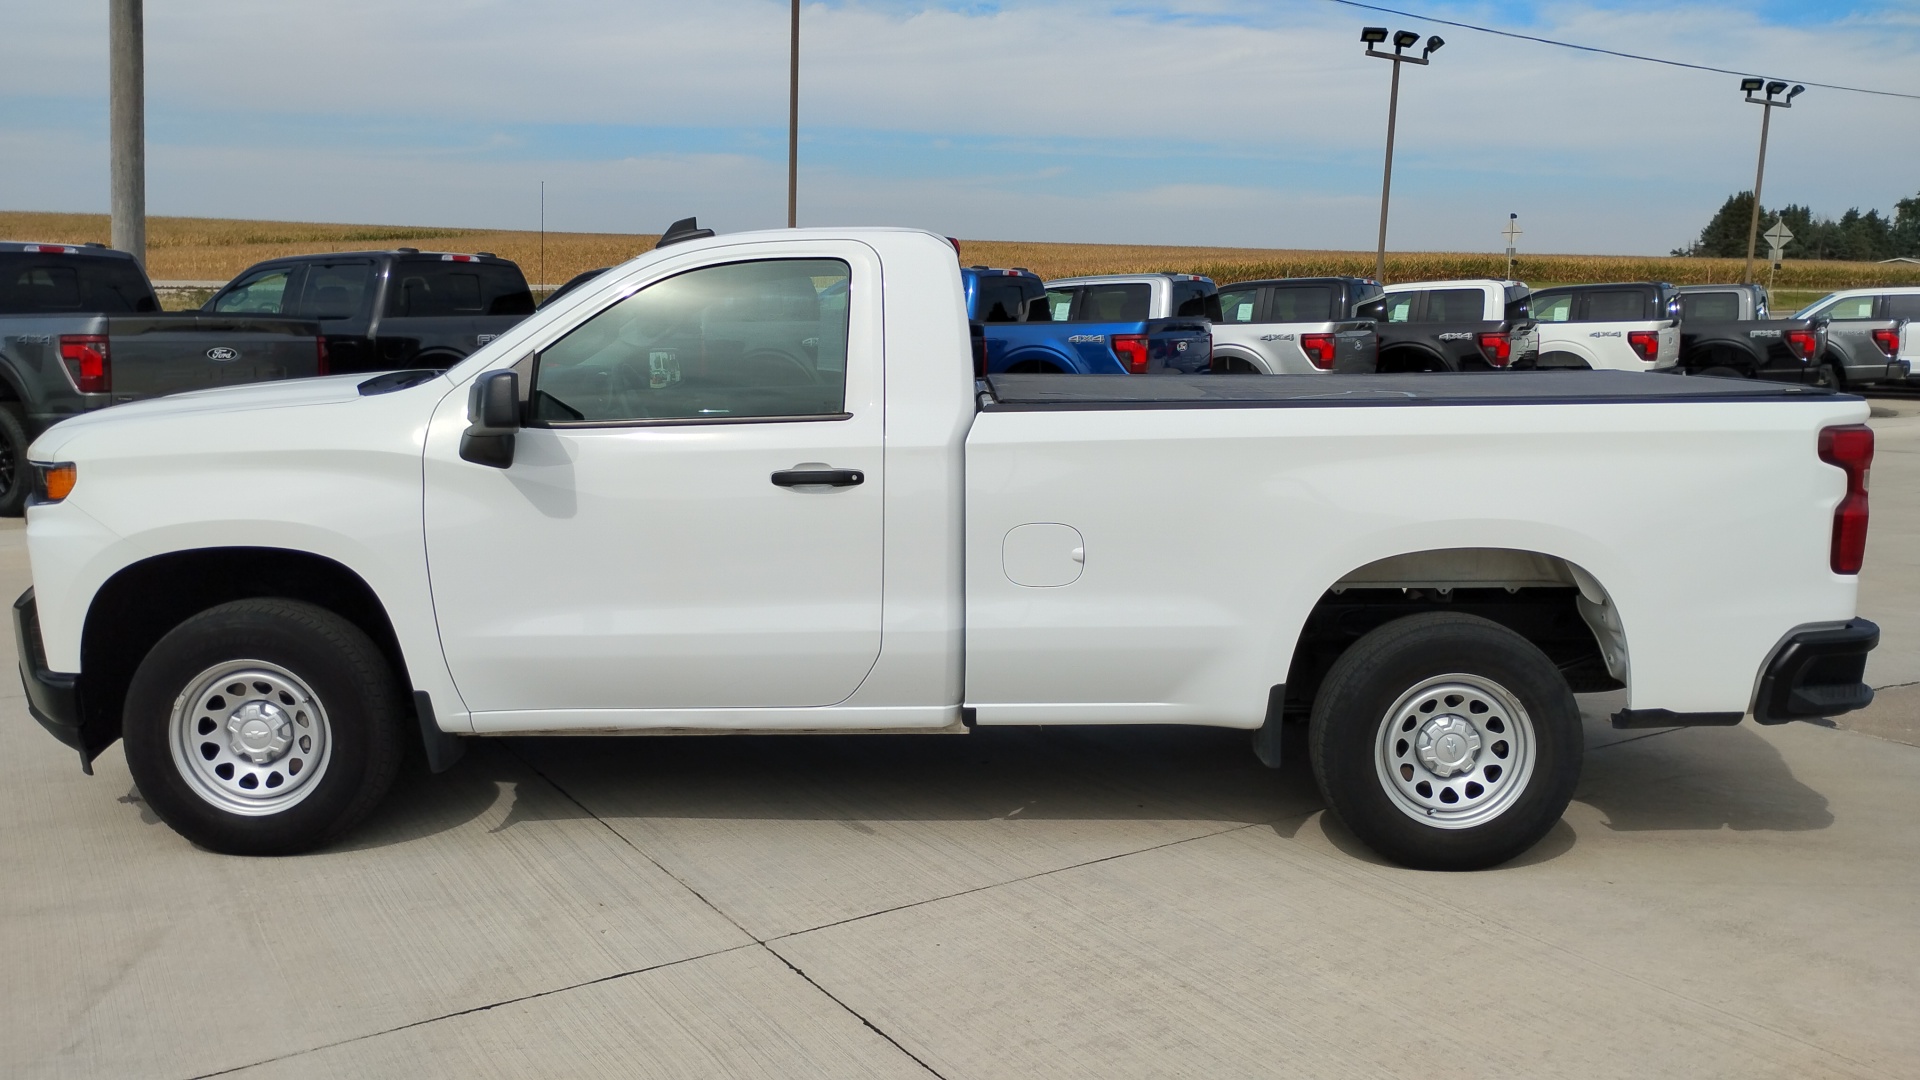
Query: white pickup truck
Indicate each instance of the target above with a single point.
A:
(1629, 326)
(751, 483)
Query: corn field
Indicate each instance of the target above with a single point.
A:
(213, 249)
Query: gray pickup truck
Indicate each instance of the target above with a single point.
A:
(1295, 326)
(1727, 329)
(1868, 336)
(81, 329)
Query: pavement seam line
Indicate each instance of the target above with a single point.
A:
(851, 1011)
(476, 1009)
(1635, 738)
(622, 837)
(1035, 876)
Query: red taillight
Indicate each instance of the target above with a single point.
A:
(1804, 343)
(1888, 340)
(1646, 343)
(1132, 351)
(1851, 449)
(88, 362)
(1319, 349)
(321, 364)
(1497, 348)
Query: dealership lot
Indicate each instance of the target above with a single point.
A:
(1017, 902)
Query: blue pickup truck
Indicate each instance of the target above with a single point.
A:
(1089, 328)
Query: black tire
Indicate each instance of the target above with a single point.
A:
(354, 737)
(16, 476)
(1829, 376)
(1354, 742)
(1721, 372)
(1562, 361)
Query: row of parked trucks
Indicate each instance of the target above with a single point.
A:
(81, 327)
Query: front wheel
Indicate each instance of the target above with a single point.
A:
(16, 476)
(263, 727)
(1446, 742)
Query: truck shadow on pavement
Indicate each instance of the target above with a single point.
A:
(1695, 780)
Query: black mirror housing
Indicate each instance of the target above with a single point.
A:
(493, 415)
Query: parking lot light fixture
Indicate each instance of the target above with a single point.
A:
(1770, 102)
(1402, 41)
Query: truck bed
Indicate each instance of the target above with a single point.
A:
(1025, 393)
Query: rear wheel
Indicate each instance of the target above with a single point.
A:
(263, 727)
(1829, 376)
(1446, 742)
(1722, 372)
(16, 476)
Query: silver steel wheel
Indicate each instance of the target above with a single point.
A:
(1455, 751)
(249, 737)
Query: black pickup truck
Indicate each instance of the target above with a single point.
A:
(382, 310)
(1726, 330)
(81, 329)
(1468, 325)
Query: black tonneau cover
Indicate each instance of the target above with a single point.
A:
(1019, 393)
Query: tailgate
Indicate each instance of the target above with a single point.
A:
(152, 357)
(1356, 348)
(1182, 346)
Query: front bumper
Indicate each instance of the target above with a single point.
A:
(53, 697)
(1817, 673)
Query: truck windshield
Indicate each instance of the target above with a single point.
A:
(1127, 302)
(423, 287)
(31, 283)
(1303, 303)
(998, 299)
(1710, 306)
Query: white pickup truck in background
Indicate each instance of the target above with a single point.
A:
(1631, 326)
(750, 483)
(1295, 326)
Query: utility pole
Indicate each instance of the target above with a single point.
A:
(127, 125)
(793, 123)
(1512, 233)
(1752, 86)
(1402, 41)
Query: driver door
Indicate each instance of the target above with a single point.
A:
(649, 552)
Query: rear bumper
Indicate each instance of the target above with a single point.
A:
(1817, 673)
(53, 697)
(1814, 673)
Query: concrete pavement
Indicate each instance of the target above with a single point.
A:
(1012, 903)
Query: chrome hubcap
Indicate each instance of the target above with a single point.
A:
(1455, 751)
(250, 737)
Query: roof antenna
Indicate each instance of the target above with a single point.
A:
(684, 229)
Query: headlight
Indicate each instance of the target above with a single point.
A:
(53, 481)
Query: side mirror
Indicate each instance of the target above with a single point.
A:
(493, 415)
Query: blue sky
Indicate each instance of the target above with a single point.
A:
(1200, 121)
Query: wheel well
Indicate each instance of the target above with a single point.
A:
(1713, 356)
(138, 605)
(1562, 360)
(1034, 367)
(1233, 363)
(1406, 359)
(1551, 602)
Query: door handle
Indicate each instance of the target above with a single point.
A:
(827, 477)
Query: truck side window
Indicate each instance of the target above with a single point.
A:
(1060, 304)
(752, 339)
(1551, 307)
(1239, 305)
(1904, 306)
(1711, 306)
(261, 293)
(1400, 307)
(1617, 305)
(1456, 305)
(1190, 299)
(1304, 304)
(334, 290)
(1853, 307)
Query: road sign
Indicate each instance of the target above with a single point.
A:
(1775, 254)
(1512, 230)
(1779, 236)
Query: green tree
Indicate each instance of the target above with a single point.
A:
(1856, 236)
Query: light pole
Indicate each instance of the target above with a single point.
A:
(1767, 104)
(793, 123)
(1511, 232)
(127, 124)
(1402, 41)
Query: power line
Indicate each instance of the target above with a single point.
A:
(1612, 52)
